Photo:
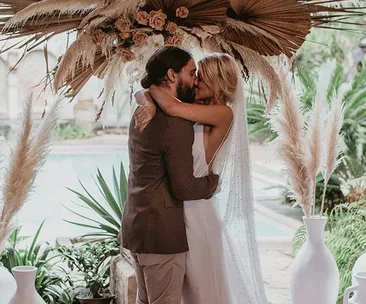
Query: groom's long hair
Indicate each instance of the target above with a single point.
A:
(164, 59)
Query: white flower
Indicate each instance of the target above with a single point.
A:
(157, 40)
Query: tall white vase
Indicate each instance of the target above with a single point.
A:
(8, 285)
(315, 275)
(25, 277)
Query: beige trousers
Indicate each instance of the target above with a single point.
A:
(159, 277)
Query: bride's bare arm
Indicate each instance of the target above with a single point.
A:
(143, 98)
(213, 115)
(146, 110)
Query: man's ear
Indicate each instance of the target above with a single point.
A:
(172, 76)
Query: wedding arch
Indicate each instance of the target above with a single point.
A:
(115, 34)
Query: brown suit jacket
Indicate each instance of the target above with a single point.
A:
(160, 179)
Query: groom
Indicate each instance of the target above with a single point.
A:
(160, 179)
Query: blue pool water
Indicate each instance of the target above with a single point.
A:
(65, 170)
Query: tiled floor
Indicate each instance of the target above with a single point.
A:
(276, 264)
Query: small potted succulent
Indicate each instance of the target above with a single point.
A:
(89, 270)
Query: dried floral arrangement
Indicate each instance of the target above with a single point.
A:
(111, 33)
(25, 161)
(308, 142)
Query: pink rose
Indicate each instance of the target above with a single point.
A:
(157, 19)
(125, 54)
(182, 12)
(139, 37)
(123, 24)
(142, 17)
(171, 27)
(175, 40)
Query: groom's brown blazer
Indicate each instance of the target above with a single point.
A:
(160, 179)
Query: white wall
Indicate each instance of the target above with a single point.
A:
(16, 85)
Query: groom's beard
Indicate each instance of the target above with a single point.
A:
(185, 93)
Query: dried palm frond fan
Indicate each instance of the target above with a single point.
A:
(111, 33)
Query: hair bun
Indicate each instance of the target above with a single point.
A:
(146, 81)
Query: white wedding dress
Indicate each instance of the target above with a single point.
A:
(223, 265)
(205, 280)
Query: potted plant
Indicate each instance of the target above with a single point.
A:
(89, 270)
(309, 144)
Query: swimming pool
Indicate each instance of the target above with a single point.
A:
(63, 170)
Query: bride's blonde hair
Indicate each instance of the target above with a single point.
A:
(220, 73)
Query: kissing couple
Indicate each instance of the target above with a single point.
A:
(189, 217)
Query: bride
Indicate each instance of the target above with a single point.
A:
(223, 264)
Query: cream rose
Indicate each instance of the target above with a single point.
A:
(175, 40)
(171, 27)
(142, 17)
(157, 19)
(182, 12)
(139, 37)
(123, 24)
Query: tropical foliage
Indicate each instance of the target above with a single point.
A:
(49, 283)
(89, 267)
(108, 211)
(353, 164)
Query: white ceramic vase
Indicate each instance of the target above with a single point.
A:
(25, 277)
(8, 285)
(315, 275)
(360, 266)
(359, 287)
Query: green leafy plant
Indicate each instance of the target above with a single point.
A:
(299, 239)
(49, 284)
(89, 267)
(353, 162)
(69, 131)
(334, 196)
(257, 123)
(108, 212)
(354, 129)
(345, 237)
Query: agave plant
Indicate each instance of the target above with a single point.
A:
(108, 212)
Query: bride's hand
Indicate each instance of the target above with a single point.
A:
(144, 114)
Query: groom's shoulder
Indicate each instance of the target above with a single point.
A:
(178, 130)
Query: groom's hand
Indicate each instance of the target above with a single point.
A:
(218, 186)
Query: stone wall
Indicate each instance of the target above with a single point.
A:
(123, 281)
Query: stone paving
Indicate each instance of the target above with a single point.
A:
(276, 264)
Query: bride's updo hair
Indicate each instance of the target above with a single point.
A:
(219, 72)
